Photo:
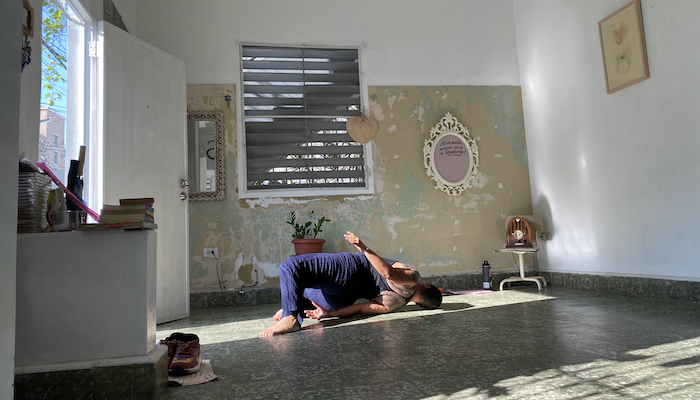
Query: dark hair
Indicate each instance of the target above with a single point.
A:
(432, 297)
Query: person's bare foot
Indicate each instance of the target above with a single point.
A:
(284, 325)
(278, 315)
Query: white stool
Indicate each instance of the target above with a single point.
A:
(521, 251)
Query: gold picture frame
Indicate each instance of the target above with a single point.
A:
(624, 48)
(28, 23)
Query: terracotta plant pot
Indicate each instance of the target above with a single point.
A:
(306, 246)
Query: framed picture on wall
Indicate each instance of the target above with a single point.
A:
(28, 19)
(623, 46)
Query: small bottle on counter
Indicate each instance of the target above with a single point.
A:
(486, 271)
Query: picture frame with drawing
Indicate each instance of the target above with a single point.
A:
(624, 47)
(28, 19)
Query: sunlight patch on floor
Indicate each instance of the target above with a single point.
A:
(665, 371)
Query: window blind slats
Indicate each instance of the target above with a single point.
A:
(309, 66)
(341, 91)
(264, 139)
(305, 175)
(301, 163)
(335, 77)
(305, 111)
(316, 89)
(294, 124)
(299, 101)
(289, 52)
(283, 151)
(335, 185)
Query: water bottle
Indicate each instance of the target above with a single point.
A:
(486, 275)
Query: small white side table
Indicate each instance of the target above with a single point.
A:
(521, 251)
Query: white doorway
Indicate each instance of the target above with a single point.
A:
(144, 114)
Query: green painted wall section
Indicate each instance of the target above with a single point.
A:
(406, 219)
(506, 115)
(410, 193)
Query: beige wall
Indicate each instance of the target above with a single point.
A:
(406, 219)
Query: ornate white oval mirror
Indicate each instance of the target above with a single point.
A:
(205, 155)
(450, 156)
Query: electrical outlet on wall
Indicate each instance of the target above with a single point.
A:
(211, 252)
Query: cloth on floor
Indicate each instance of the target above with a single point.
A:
(205, 374)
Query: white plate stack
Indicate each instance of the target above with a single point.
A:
(32, 196)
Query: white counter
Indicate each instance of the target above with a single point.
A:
(86, 297)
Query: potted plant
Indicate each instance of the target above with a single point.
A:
(304, 236)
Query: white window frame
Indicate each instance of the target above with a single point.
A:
(242, 173)
(88, 106)
(81, 79)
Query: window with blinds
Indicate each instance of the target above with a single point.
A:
(296, 102)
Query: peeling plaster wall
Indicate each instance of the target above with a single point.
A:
(423, 226)
(407, 219)
(411, 43)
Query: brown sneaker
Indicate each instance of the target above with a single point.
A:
(172, 346)
(187, 354)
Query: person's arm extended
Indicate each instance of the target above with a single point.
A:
(367, 308)
(400, 276)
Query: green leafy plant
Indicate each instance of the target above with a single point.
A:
(54, 34)
(310, 229)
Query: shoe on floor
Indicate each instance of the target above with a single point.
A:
(172, 346)
(186, 359)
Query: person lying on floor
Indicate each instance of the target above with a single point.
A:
(332, 283)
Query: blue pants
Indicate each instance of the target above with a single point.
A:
(333, 281)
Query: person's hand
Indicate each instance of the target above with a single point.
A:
(318, 313)
(353, 239)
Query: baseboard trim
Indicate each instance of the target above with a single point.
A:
(146, 379)
(245, 297)
(628, 286)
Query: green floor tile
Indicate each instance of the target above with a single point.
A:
(518, 344)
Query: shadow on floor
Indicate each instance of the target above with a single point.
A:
(444, 306)
(410, 308)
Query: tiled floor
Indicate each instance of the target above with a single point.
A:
(517, 344)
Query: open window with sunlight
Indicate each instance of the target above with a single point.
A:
(65, 80)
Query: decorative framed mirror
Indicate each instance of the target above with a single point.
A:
(450, 156)
(205, 155)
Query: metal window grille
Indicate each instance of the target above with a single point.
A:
(296, 102)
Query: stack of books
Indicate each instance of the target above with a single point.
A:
(128, 210)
